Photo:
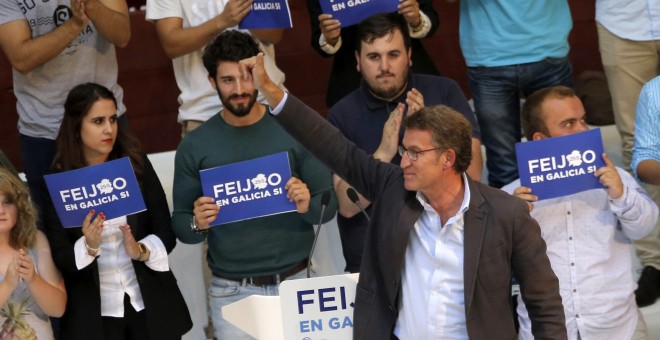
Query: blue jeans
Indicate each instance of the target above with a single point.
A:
(496, 92)
(224, 292)
(36, 158)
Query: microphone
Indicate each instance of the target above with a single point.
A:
(353, 196)
(325, 200)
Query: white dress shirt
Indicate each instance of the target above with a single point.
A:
(432, 286)
(116, 273)
(589, 238)
(637, 20)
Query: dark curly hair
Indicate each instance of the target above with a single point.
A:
(230, 45)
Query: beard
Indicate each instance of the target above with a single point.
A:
(238, 110)
(388, 92)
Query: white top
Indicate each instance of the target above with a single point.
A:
(116, 273)
(433, 299)
(198, 100)
(590, 249)
(41, 93)
(637, 20)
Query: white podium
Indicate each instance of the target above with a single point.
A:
(316, 308)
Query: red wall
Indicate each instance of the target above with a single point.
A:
(151, 93)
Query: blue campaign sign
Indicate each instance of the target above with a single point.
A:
(249, 189)
(267, 14)
(351, 12)
(109, 187)
(561, 166)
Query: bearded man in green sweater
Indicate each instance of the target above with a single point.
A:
(251, 256)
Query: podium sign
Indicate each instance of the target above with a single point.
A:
(318, 308)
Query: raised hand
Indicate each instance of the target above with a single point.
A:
(11, 276)
(390, 140)
(25, 267)
(130, 244)
(414, 100)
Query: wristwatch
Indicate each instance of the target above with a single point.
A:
(142, 249)
(193, 227)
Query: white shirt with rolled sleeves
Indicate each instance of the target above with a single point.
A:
(589, 239)
(116, 274)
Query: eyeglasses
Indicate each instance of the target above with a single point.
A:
(413, 154)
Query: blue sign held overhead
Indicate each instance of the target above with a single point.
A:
(351, 12)
(249, 189)
(561, 166)
(267, 14)
(110, 187)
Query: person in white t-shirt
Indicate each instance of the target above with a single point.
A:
(184, 28)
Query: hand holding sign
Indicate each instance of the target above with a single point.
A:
(92, 229)
(410, 11)
(235, 11)
(525, 194)
(330, 27)
(298, 192)
(205, 211)
(609, 177)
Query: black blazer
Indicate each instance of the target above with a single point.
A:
(501, 241)
(165, 310)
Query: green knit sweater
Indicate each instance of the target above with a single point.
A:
(259, 246)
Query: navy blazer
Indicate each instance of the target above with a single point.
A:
(501, 241)
(165, 310)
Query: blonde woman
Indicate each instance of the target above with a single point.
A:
(32, 288)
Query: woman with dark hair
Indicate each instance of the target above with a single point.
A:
(31, 287)
(118, 288)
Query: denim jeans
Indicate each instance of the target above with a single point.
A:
(496, 92)
(36, 158)
(224, 292)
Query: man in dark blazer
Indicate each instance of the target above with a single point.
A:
(441, 249)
